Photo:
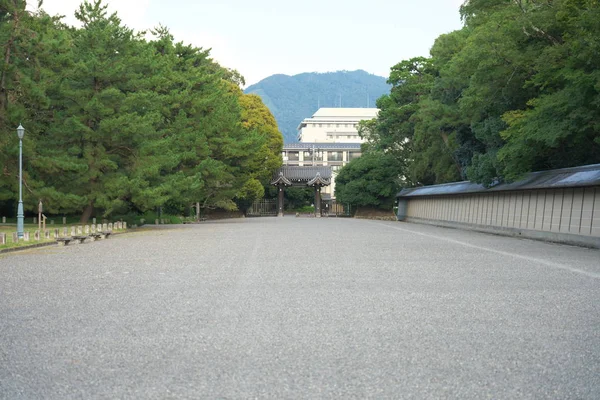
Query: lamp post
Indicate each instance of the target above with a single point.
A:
(315, 153)
(20, 216)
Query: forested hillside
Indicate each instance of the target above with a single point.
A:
(516, 90)
(116, 123)
(293, 98)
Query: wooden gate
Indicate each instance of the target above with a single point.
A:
(263, 208)
(331, 208)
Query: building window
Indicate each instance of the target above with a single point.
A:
(313, 155)
(293, 156)
(353, 155)
(334, 156)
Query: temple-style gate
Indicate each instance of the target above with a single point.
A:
(315, 177)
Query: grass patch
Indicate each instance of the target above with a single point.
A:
(10, 229)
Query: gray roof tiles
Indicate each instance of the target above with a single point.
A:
(303, 174)
(587, 175)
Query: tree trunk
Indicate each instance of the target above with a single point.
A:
(87, 213)
(446, 140)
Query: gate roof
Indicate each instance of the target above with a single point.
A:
(303, 175)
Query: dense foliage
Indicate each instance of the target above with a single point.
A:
(293, 98)
(115, 122)
(369, 181)
(517, 89)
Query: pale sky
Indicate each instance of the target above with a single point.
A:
(260, 38)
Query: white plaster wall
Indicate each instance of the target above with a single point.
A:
(569, 210)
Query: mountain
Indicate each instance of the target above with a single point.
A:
(293, 98)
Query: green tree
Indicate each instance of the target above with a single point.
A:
(90, 149)
(34, 49)
(559, 127)
(371, 180)
(115, 122)
(532, 97)
(393, 131)
(258, 121)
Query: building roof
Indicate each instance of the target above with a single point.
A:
(587, 175)
(321, 146)
(318, 180)
(302, 175)
(338, 115)
(361, 113)
(281, 180)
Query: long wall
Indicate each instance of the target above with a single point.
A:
(569, 215)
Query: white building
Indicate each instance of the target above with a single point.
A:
(328, 138)
(334, 125)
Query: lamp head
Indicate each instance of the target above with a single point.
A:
(20, 131)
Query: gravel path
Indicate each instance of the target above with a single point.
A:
(301, 308)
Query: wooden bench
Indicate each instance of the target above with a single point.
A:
(79, 239)
(95, 236)
(63, 241)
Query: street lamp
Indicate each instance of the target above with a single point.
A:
(315, 153)
(20, 216)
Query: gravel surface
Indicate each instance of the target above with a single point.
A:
(301, 308)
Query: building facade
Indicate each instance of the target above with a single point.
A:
(334, 125)
(328, 138)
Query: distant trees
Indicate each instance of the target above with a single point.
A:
(517, 89)
(116, 123)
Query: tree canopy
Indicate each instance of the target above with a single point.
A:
(116, 122)
(516, 90)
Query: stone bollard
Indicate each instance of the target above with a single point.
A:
(86, 230)
(36, 235)
(99, 228)
(2, 238)
(15, 237)
(46, 234)
(65, 231)
(94, 221)
(3, 220)
(93, 228)
(56, 233)
(34, 220)
(110, 227)
(124, 225)
(80, 230)
(104, 227)
(73, 231)
(64, 220)
(26, 236)
(156, 222)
